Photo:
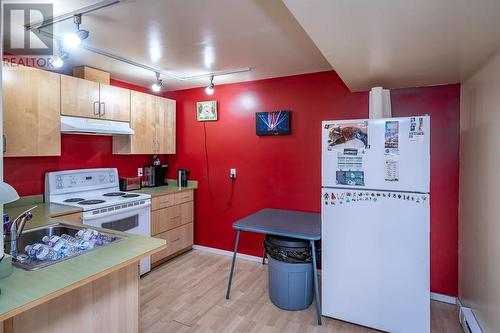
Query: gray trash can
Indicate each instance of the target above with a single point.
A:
(290, 272)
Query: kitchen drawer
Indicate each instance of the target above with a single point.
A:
(183, 197)
(162, 202)
(172, 217)
(177, 239)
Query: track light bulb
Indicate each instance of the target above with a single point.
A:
(211, 87)
(71, 40)
(156, 87)
(56, 61)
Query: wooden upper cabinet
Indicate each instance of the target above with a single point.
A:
(79, 97)
(31, 112)
(153, 120)
(165, 126)
(89, 99)
(114, 103)
(142, 121)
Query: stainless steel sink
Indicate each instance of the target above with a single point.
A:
(35, 235)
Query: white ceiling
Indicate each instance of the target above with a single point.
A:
(401, 43)
(190, 37)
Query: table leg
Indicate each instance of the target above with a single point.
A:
(232, 264)
(315, 282)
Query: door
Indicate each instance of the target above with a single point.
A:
(31, 105)
(165, 126)
(142, 121)
(114, 103)
(375, 259)
(79, 97)
(390, 154)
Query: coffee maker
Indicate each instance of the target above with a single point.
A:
(154, 175)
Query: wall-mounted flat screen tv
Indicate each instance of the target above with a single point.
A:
(272, 123)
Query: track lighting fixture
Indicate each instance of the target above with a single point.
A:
(74, 39)
(210, 88)
(57, 60)
(156, 87)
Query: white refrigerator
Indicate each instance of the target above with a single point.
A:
(375, 223)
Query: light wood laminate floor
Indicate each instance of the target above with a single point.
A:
(187, 293)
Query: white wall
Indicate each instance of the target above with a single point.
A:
(479, 245)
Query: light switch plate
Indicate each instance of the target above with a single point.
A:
(139, 172)
(232, 173)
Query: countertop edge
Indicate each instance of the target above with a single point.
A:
(77, 284)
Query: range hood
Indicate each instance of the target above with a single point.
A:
(94, 126)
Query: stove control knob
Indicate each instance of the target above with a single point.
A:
(102, 178)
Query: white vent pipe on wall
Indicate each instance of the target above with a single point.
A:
(380, 103)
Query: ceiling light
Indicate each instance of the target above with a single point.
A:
(211, 87)
(156, 87)
(74, 39)
(57, 60)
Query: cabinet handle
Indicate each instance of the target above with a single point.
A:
(103, 109)
(97, 110)
(176, 240)
(4, 144)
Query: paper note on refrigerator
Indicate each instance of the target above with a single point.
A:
(392, 168)
(416, 129)
(392, 134)
(347, 135)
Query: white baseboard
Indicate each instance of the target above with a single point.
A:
(443, 298)
(227, 253)
(230, 254)
(434, 296)
(468, 321)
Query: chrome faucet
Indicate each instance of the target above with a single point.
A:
(16, 228)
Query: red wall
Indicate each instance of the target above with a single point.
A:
(278, 172)
(285, 171)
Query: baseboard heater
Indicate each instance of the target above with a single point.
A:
(468, 321)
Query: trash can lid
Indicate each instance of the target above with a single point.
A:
(286, 241)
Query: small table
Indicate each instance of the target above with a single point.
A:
(288, 223)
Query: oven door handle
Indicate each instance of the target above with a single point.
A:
(118, 211)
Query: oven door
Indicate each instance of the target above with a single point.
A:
(135, 221)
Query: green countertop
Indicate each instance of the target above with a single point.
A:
(168, 189)
(41, 214)
(22, 288)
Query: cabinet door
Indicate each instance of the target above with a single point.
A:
(31, 102)
(115, 103)
(165, 126)
(79, 97)
(142, 121)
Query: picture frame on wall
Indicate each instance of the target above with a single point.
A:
(206, 111)
(272, 123)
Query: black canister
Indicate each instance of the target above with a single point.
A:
(182, 177)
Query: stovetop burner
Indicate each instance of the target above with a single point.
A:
(91, 202)
(113, 194)
(130, 195)
(74, 200)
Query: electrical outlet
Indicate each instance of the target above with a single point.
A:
(232, 173)
(139, 172)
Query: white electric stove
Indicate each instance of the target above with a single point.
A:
(97, 192)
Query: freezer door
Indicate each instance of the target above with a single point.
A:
(384, 154)
(375, 259)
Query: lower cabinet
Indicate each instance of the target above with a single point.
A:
(172, 219)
